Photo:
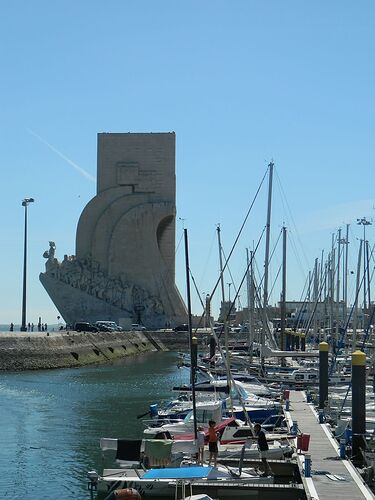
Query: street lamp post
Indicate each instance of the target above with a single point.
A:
(25, 204)
(364, 222)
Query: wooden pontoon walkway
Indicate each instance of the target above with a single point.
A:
(331, 478)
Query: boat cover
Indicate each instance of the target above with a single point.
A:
(158, 452)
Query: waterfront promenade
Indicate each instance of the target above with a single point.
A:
(331, 476)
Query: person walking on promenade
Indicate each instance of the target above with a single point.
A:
(213, 438)
(11, 328)
(263, 449)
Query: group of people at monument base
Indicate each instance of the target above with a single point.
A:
(42, 327)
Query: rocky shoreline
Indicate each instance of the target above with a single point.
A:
(68, 349)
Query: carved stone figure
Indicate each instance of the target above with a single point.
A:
(50, 256)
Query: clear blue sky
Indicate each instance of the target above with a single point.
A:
(240, 82)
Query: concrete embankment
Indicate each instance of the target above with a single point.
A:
(43, 350)
(46, 350)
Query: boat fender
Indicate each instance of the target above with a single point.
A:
(127, 493)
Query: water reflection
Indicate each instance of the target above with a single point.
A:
(52, 421)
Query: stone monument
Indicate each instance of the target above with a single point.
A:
(124, 267)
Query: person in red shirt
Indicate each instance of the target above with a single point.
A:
(213, 438)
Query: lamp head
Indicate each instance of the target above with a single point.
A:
(26, 201)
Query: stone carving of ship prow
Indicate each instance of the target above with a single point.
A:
(124, 267)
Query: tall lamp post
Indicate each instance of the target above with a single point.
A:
(25, 203)
(364, 222)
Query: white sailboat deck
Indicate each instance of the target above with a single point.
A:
(331, 477)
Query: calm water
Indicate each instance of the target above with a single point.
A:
(51, 421)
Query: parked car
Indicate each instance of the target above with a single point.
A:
(108, 326)
(182, 328)
(137, 328)
(85, 327)
(102, 327)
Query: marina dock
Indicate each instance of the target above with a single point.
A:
(331, 476)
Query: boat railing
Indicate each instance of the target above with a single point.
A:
(161, 421)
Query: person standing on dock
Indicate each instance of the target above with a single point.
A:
(263, 449)
(212, 442)
(200, 442)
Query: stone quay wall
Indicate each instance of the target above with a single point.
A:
(69, 349)
(46, 350)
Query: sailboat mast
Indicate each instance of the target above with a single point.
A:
(346, 274)
(193, 359)
(355, 318)
(223, 308)
(338, 284)
(364, 269)
(321, 279)
(283, 296)
(310, 305)
(266, 262)
(368, 274)
(332, 289)
(250, 301)
(268, 232)
(316, 297)
(221, 264)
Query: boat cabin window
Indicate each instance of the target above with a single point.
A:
(299, 377)
(243, 433)
(163, 435)
(312, 377)
(233, 424)
(234, 391)
(203, 416)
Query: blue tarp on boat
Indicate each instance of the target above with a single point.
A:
(178, 473)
